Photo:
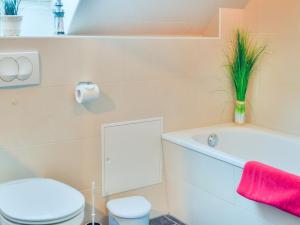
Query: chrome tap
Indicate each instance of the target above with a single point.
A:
(212, 140)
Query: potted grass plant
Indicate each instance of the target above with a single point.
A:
(11, 20)
(242, 60)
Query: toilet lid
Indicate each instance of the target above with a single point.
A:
(39, 201)
(130, 207)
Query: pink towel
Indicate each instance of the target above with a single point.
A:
(271, 186)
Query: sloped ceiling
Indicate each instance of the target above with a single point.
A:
(142, 17)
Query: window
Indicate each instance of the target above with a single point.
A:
(37, 17)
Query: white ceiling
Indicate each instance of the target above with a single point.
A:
(137, 17)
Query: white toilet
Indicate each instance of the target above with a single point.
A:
(40, 201)
(129, 211)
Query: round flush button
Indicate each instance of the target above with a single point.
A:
(25, 68)
(8, 69)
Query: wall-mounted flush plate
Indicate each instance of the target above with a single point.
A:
(19, 69)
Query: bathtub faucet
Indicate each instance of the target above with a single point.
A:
(212, 140)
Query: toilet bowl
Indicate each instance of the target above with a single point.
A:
(41, 202)
(129, 211)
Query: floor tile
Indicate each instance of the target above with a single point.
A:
(166, 220)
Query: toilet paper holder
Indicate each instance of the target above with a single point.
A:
(86, 91)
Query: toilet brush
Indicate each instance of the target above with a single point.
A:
(93, 214)
(93, 203)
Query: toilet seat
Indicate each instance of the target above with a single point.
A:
(39, 201)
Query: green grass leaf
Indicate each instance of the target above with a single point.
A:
(241, 62)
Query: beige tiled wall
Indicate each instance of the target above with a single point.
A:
(45, 133)
(276, 86)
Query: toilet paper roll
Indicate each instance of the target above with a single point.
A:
(86, 92)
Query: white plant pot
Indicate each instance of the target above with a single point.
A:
(11, 25)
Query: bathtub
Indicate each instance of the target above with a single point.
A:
(201, 181)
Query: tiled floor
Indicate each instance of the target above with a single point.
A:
(166, 220)
(100, 218)
(162, 220)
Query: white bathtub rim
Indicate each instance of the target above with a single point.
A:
(206, 150)
(184, 138)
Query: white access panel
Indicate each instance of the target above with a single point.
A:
(131, 155)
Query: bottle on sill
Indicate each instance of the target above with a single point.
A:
(59, 14)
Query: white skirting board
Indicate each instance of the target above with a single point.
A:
(131, 155)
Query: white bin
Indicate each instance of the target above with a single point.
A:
(129, 211)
